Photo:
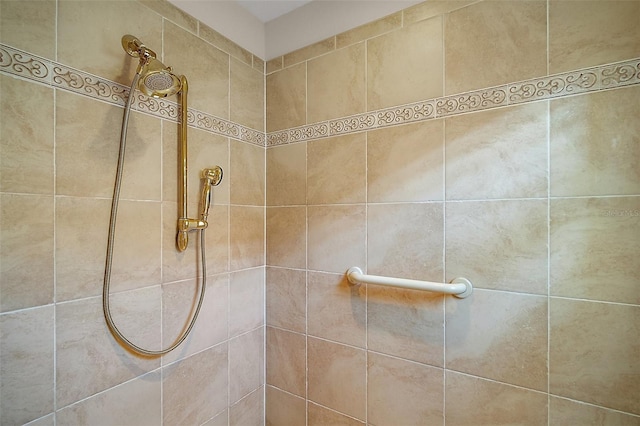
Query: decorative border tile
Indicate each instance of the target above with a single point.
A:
(570, 83)
(23, 64)
(609, 76)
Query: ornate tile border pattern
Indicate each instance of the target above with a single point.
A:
(587, 80)
(45, 71)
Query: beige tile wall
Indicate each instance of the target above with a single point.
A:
(58, 156)
(536, 203)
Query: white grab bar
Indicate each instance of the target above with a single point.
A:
(459, 287)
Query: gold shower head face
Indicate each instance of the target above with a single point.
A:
(156, 80)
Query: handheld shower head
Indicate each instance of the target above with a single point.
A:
(156, 80)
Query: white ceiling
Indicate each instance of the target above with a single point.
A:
(270, 28)
(268, 10)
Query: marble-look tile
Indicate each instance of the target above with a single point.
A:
(406, 163)
(206, 68)
(565, 412)
(83, 44)
(223, 43)
(170, 11)
(88, 358)
(336, 84)
(369, 30)
(321, 416)
(406, 323)
(406, 240)
(27, 365)
(287, 236)
(287, 98)
(195, 389)
(246, 176)
(44, 421)
(82, 226)
(336, 309)
(594, 248)
(336, 377)
(283, 408)
(593, 353)
(587, 33)
(429, 9)
(27, 251)
(249, 411)
(246, 300)
(274, 65)
(246, 235)
(593, 137)
(485, 402)
(497, 154)
(499, 245)
(403, 392)
(308, 52)
(221, 419)
(247, 95)
(246, 364)
(336, 237)
(287, 175)
(337, 170)
(114, 406)
(87, 155)
(500, 336)
(491, 34)
(179, 301)
(26, 135)
(405, 65)
(30, 26)
(286, 361)
(287, 299)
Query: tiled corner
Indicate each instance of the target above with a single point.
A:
(287, 236)
(286, 98)
(246, 235)
(282, 408)
(246, 177)
(246, 364)
(308, 52)
(287, 299)
(246, 97)
(286, 172)
(286, 354)
(249, 411)
(246, 300)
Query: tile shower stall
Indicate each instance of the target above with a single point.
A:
(495, 140)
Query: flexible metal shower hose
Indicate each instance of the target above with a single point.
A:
(110, 240)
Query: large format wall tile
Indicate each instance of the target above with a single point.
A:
(246, 300)
(27, 365)
(26, 135)
(591, 144)
(88, 358)
(336, 237)
(497, 154)
(336, 309)
(475, 401)
(405, 65)
(564, 412)
(499, 245)
(500, 336)
(336, 170)
(406, 240)
(87, 150)
(287, 236)
(594, 248)
(320, 416)
(27, 251)
(206, 69)
(249, 411)
(337, 377)
(82, 45)
(246, 364)
(30, 26)
(283, 408)
(287, 175)
(286, 298)
(195, 388)
(246, 234)
(287, 361)
(492, 33)
(587, 33)
(406, 163)
(402, 392)
(593, 353)
(113, 406)
(247, 95)
(336, 84)
(246, 177)
(406, 323)
(287, 98)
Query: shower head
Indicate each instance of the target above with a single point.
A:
(155, 80)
